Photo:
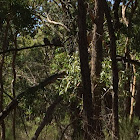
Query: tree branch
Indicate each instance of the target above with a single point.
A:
(20, 49)
(30, 90)
(48, 117)
(124, 59)
(26, 48)
(46, 18)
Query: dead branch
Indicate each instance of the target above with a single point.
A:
(133, 8)
(20, 49)
(124, 15)
(26, 48)
(30, 90)
(48, 117)
(124, 59)
(46, 17)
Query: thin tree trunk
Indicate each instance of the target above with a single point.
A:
(4, 47)
(1, 99)
(96, 67)
(127, 103)
(85, 71)
(128, 23)
(115, 123)
(13, 84)
(133, 93)
(137, 105)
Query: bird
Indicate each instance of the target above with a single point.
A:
(46, 41)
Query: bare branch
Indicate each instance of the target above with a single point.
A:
(133, 8)
(124, 59)
(46, 17)
(48, 117)
(26, 48)
(30, 90)
(20, 49)
(124, 16)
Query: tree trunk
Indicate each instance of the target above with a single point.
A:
(14, 38)
(127, 103)
(133, 93)
(1, 99)
(137, 105)
(4, 47)
(75, 117)
(14, 95)
(96, 67)
(115, 123)
(108, 111)
(128, 23)
(85, 71)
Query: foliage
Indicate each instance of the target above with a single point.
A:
(26, 23)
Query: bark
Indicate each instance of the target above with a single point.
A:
(48, 118)
(128, 22)
(14, 39)
(115, 124)
(116, 15)
(137, 105)
(108, 111)
(127, 103)
(133, 93)
(4, 47)
(1, 99)
(30, 90)
(96, 67)
(85, 71)
(75, 117)
(14, 95)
